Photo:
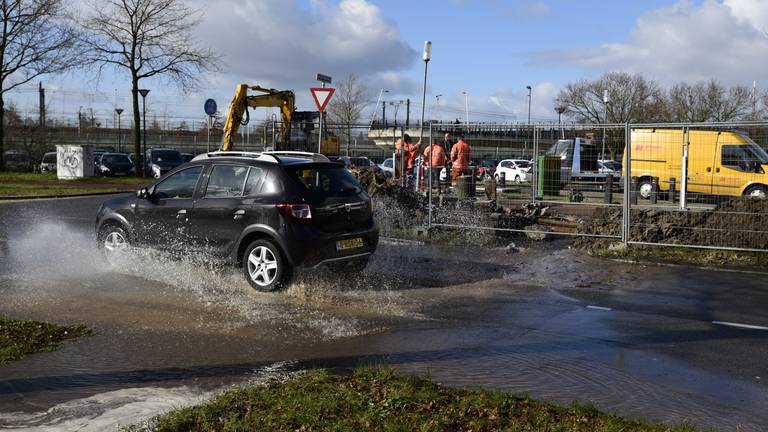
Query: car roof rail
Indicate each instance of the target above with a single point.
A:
(315, 157)
(266, 157)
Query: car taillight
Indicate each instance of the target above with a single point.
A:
(299, 213)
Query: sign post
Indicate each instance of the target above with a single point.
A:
(210, 111)
(321, 95)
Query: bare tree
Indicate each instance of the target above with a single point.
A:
(632, 98)
(147, 38)
(34, 40)
(709, 101)
(348, 103)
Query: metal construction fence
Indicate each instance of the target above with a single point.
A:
(694, 185)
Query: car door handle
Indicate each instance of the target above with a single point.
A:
(239, 214)
(709, 169)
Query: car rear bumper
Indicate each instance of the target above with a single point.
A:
(309, 247)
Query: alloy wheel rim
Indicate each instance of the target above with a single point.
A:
(115, 242)
(645, 190)
(757, 193)
(262, 266)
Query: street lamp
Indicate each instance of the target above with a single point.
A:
(119, 146)
(466, 107)
(427, 55)
(529, 103)
(144, 93)
(560, 108)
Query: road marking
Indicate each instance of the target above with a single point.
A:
(599, 308)
(739, 325)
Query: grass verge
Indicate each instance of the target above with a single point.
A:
(8, 177)
(32, 190)
(682, 255)
(18, 338)
(375, 399)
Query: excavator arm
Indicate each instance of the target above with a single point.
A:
(283, 99)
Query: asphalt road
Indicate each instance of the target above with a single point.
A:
(671, 344)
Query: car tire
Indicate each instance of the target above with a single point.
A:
(645, 188)
(757, 191)
(112, 240)
(264, 266)
(517, 179)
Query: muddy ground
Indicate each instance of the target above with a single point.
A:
(538, 318)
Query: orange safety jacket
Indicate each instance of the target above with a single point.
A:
(438, 156)
(460, 155)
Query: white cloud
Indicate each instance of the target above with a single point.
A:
(279, 43)
(685, 42)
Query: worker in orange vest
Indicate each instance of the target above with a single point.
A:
(404, 154)
(433, 160)
(460, 154)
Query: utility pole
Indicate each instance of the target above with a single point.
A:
(407, 112)
(384, 114)
(42, 115)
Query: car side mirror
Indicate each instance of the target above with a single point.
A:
(142, 193)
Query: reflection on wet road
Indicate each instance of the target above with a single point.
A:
(637, 341)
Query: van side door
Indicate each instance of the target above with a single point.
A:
(701, 148)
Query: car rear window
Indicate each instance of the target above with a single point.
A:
(329, 180)
(113, 159)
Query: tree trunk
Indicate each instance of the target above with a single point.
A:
(137, 128)
(2, 131)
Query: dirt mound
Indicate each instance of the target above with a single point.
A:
(741, 222)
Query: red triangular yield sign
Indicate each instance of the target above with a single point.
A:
(322, 96)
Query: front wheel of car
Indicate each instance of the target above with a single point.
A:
(518, 180)
(757, 191)
(113, 241)
(264, 266)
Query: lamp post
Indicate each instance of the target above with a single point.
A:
(466, 107)
(529, 103)
(144, 93)
(560, 109)
(119, 146)
(605, 111)
(426, 56)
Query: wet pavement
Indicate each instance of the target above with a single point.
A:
(637, 341)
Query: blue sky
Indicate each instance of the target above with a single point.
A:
(490, 48)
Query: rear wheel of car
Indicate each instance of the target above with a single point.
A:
(113, 241)
(264, 266)
(517, 179)
(645, 188)
(757, 191)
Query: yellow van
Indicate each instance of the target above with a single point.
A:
(719, 162)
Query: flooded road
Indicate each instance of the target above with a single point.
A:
(637, 341)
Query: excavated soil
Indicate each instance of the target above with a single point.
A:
(741, 222)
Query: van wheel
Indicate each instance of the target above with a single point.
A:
(645, 188)
(757, 191)
(264, 266)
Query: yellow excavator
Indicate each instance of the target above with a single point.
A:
(283, 99)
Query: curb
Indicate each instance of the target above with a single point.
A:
(39, 197)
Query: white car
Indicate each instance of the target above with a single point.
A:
(515, 170)
(388, 167)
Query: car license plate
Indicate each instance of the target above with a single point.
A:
(352, 243)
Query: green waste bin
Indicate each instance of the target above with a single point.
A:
(548, 176)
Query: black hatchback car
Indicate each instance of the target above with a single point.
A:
(269, 212)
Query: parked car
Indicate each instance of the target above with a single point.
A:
(515, 170)
(110, 164)
(48, 163)
(388, 167)
(16, 160)
(270, 214)
(186, 157)
(159, 161)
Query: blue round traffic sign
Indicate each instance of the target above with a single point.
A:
(210, 107)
